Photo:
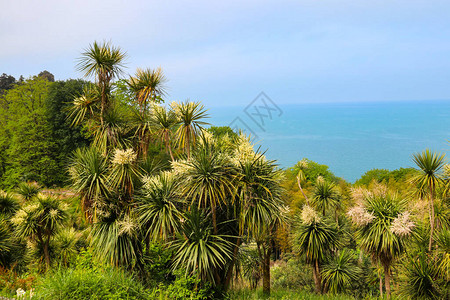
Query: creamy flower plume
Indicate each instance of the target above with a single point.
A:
(309, 215)
(360, 216)
(124, 157)
(53, 212)
(320, 179)
(126, 226)
(180, 167)
(243, 151)
(303, 164)
(402, 225)
(359, 194)
(19, 217)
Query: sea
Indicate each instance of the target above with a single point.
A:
(351, 138)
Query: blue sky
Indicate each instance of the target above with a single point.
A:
(226, 52)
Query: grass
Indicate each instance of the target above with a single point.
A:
(285, 294)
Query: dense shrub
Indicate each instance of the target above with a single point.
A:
(292, 274)
(84, 284)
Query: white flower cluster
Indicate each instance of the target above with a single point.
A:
(126, 226)
(180, 167)
(303, 164)
(309, 215)
(243, 151)
(19, 217)
(359, 193)
(360, 216)
(402, 225)
(53, 213)
(124, 157)
(320, 179)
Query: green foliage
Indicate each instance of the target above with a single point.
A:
(340, 272)
(158, 207)
(157, 264)
(420, 278)
(220, 131)
(313, 171)
(184, 287)
(292, 274)
(28, 190)
(325, 196)
(67, 138)
(82, 284)
(315, 240)
(383, 175)
(26, 143)
(197, 250)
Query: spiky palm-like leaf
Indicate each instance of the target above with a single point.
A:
(325, 195)
(86, 106)
(197, 249)
(315, 240)
(27, 190)
(8, 204)
(89, 174)
(376, 237)
(104, 62)
(124, 172)
(66, 244)
(443, 241)
(112, 132)
(429, 178)
(164, 121)
(148, 85)
(420, 277)
(207, 178)
(116, 239)
(158, 209)
(39, 221)
(340, 271)
(190, 116)
(260, 195)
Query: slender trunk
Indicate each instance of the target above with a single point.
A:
(168, 147)
(103, 101)
(213, 209)
(188, 142)
(46, 253)
(387, 282)
(230, 269)
(381, 286)
(301, 190)
(266, 270)
(430, 244)
(317, 279)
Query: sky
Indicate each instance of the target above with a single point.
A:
(227, 52)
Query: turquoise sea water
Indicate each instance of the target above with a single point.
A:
(351, 138)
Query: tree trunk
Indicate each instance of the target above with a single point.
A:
(46, 253)
(317, 278)
(387, 282)
(430, 244)
(301, 190)
(266, 270)
(168, 147)
(381, 286)
(214, 219)
(230, 269)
